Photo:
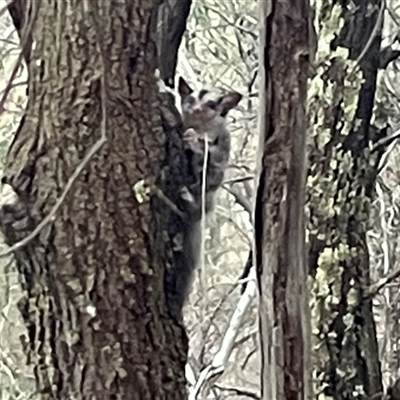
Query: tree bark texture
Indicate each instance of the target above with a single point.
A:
(94, 277)
(340, 182)
(279, 213)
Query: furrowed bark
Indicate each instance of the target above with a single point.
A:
(93, 278)
(279, 220)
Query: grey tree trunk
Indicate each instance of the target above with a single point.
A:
(93, 277)
(279, 214)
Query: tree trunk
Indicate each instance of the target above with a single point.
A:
(93, 276)
(279, 214)
(341, 178)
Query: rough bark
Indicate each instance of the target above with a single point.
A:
(95, 307)
(341, 178)
(279, 220)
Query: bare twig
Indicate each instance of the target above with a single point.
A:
(240, 391)
(219, 361)
(208, 324)
(159, 193)
(239, 179)
(18, 63)
(386, 141)
(240, 199)
(376, 287)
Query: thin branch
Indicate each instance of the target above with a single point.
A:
(159, 193)
(230, 23)
(373, 35)
(245, 338)
(18, 63)
(205, 330)
(189, 71)
(240, 199)
(219, 361)
(240, 391)
(239, 179)
(376, 287)
(385, 141)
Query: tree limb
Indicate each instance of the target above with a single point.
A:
(171, 25)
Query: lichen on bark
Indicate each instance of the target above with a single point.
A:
(340, 181)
